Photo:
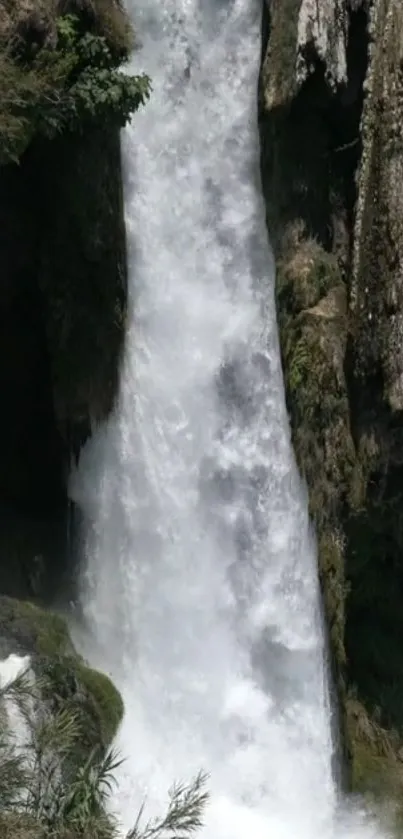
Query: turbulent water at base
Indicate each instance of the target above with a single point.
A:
(200, 588)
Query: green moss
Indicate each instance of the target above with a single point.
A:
(376, 768)
(107, 699)
(33, 629)
(90, 695)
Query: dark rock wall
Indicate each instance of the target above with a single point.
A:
(330, 114)
(62, 314)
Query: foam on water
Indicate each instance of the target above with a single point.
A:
(200, 587)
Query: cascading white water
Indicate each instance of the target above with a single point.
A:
(201, 587)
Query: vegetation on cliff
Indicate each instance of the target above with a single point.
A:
(332, 145)
(56, 762)
(70, 685)
(45, 794)
(50, 88)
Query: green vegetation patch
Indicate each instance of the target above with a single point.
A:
(377, 769)
(68, 682)
(107, 700)
(46, 794)
(50, 88)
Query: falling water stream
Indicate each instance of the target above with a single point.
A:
(200, 589)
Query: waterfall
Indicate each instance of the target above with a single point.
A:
(200, 585)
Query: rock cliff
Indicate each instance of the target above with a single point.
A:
(330, 115)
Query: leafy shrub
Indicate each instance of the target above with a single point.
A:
(42, 798)
(47, 91)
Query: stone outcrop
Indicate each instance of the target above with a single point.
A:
(331, 117)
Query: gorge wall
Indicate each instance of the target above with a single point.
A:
(330, 115)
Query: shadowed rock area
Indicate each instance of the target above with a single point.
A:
(63, 292)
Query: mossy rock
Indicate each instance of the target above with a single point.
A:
(107, 700)
(305, 274)
(89, 693)
(377, 769)
(33, 631)
(67, 680)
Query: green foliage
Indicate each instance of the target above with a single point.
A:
(42, 798)
(183, 817)
(88, 694)
(52, 91)
(301, 365)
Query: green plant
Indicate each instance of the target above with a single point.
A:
(183, 817)
(44, 795)
(56, 90)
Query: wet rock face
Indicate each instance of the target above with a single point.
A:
(331, 116)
